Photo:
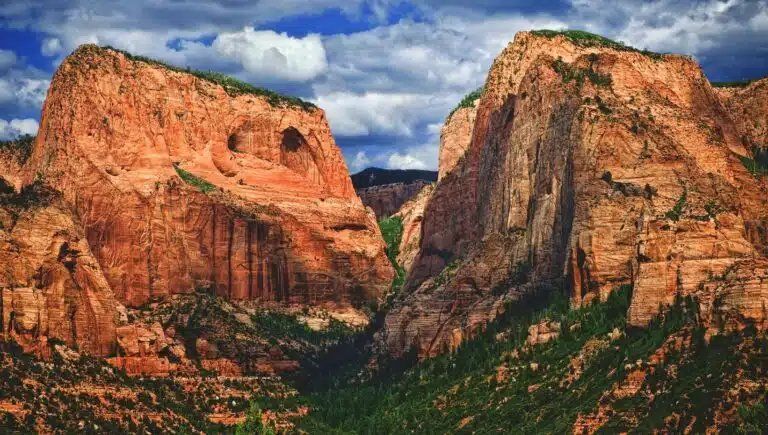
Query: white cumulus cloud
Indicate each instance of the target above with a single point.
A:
(17, 127)
(359, 162)
(405, 161)
(353, 114)
(7, 59)
(51, 47)
(267, 54)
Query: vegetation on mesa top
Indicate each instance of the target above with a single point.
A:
(231, 85)
(586, 39)
(468, 100)
(204, 185)
(370, 177)
(734, 84)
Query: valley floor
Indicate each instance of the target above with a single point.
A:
(594, 375)
(597, 376)
(542, 367)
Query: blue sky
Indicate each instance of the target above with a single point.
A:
(387, 72)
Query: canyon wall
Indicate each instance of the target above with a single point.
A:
(455, 137)
(591, 165)
(412, 214)
(146, 182)
(748, 110)
(181, 183)
(385, 200)
(51, 286)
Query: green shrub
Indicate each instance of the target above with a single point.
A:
(232, 85)
(447, 273)
(21, 147)
(392, 232)
(677, 210)
(36, 194)
(734, 84)
(586, 39)
(755, 167)
(752, 418)
(602, 107)
(193, 180)
(253, 424)
(572, 73)
(468, 100)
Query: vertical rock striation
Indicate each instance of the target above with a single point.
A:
(455, 137)
(591, 163)
(51, 286)
(180, 183)
(412, 214)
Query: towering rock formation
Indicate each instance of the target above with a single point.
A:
(599, 165)
(180, 182)
(749, 111)
(167, 181)
(386, 190)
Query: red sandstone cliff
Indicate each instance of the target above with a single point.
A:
(598, 165)
(278, 221)
(385, 200)
(412, 214)
(166, 182)
(455, 137)
(748, 110)
(51, 286)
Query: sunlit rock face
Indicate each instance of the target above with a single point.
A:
(179, 184)
(594, 166)
(455, 137)
(51, 286)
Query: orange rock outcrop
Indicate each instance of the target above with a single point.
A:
(593, 164)
(51, 286)
(455, 137)
(267, 211)
(165, 182)
(412, 214)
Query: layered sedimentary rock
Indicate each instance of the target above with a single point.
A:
(51, 286)
(385, 200)
(748, 110)
(593, 163)
(455, 137)
(180, 183)
(412, 214)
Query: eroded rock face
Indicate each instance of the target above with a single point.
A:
(748, 110)
(455, 137)
(543, 332)
(51, 286)
(412, 214)
(605, 167)
(266, 210)
(386, 200)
